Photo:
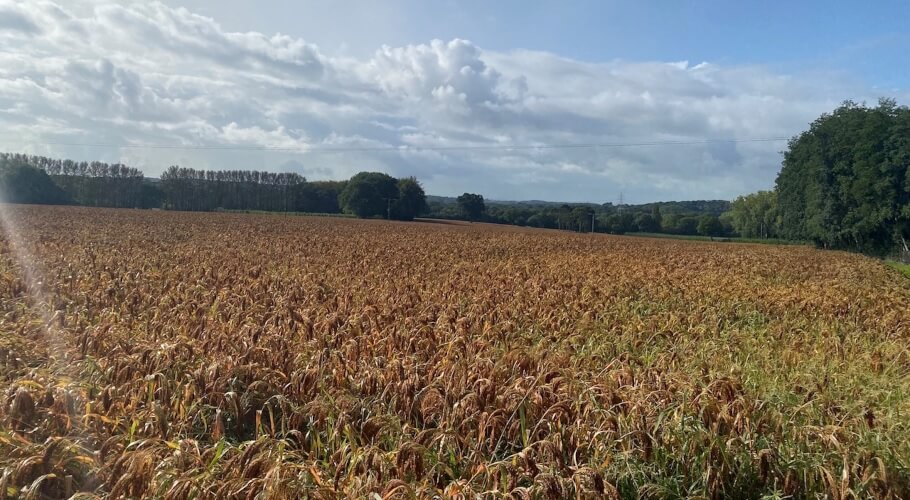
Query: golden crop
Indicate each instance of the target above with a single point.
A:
(182, 355)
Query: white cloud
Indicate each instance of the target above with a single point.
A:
(148, 73)
(12, 19)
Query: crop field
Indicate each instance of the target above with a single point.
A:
(189, 355)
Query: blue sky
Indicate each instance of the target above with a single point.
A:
(85, 78)
(870, 40)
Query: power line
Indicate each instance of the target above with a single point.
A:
(403, 149)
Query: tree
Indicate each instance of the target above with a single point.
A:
(472, 206)
(20, 183)
(656, 215)
(647, 224)
(412, 201)
(89, 183)
(318, 197)
(564, 216)
(726, 221)
(709, 225)
(189, 189)
(843, 182)
(755, 215)
(541, 219)
(687, 225)
(369, 194)
(582, 218)
(669, 223)
(619, 223)
(510, 214)
(152, 195)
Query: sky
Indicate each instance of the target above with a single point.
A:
(683, 99)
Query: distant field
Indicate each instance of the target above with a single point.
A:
(164, 354)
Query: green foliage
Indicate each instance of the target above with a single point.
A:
(844, 182)
(472, 206)
(95, 183)
(647, 223)
(609, 218)
(686, 225)
(115, 185)
(21, 183)
(582, 218)
(709, 225)
(518, 216)
(619, 223)
(669, 223)
(726, 221)
(715, 207)
(902, 268)
(657, 216)
(756, 215)
(369, 194)
(204, 190)
(318, 196)
(151, 195)
(411, 202)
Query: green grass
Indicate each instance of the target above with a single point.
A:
(720, 239)
(903, 268)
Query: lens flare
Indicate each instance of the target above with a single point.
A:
(34, 282)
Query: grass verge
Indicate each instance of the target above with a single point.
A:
(903, 268)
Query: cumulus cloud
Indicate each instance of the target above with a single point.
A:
(146, 73)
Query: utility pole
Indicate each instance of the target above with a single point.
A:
(388, 208)
(593, 215)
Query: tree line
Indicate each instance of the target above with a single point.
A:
(37, 179)
(95, 183)
(204, 190)
(699, 217)
(844, 184)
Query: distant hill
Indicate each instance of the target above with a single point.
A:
(712, 207)
(450, 200)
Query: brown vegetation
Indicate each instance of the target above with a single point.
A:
(227, 356)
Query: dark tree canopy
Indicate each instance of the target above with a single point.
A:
(95, 184)
(657, 216)
(411, 202)
(686, 225)
(583, 218)
(191, 189)
(647, 223)
(318, 196)
(21, 183)
(709, 225)
(369, 194)
(844, 182)
(472, 206)
(619, 223)
(648, 217)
